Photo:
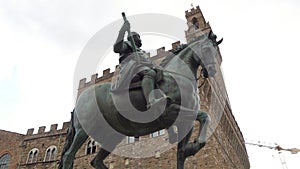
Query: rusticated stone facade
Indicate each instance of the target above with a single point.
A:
(225, 148)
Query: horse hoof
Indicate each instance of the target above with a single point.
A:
(99, 165)
(199, 143)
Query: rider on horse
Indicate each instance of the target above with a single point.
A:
(134, 61)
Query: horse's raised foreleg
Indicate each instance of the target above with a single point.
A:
(200, 141)
(181, 147)
(186, 149)
(204, 120)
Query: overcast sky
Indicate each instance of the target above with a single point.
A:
(40, 42)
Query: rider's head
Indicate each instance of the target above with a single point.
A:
(136, 38)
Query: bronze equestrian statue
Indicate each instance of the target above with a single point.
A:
(176, 104)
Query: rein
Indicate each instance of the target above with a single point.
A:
(165, 70)
(202, 82)
(197, 79)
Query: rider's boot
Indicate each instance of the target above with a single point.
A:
(148, 85)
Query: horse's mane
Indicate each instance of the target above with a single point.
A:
(173, 53)
(168, 58)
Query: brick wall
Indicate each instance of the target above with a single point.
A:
(9, 143)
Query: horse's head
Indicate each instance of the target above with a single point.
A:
(205, 49)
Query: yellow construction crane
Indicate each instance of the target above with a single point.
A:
(277, 148)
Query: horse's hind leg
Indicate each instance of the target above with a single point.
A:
(97, 162)
(188, 149)
(114, 140)
(79, 138)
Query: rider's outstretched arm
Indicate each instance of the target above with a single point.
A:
(120, 46)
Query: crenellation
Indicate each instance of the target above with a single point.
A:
(41, 129)
(93, 78)
(53, 130)
(53, 127)
(82, 83)
(193, 11)
(106, 72)
(175, 45)
(65, 125)
(30, 131)
(161, 51)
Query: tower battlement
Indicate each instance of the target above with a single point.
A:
(193, 11)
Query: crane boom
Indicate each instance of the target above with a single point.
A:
(277, 148)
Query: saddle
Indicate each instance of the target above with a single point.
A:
(135, 92)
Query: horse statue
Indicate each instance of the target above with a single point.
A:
(178, 82)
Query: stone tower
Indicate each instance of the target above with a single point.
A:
(196, 23)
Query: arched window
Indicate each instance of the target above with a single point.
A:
(91, 147)
(48, 155)
(51, 153)
(195, 22)
(4, 161)
(32, 155)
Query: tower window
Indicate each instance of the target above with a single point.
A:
(4, 161)
(195, 23)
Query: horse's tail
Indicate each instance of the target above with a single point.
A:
(69, 139)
